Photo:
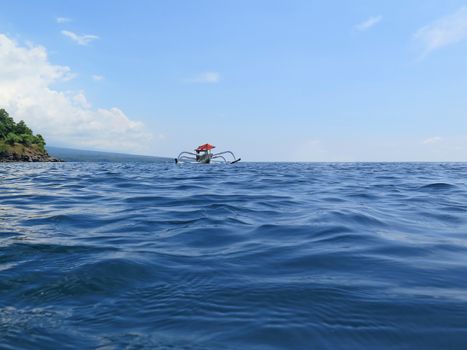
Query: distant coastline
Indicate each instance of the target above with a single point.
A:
(79, 155)
(19, 144)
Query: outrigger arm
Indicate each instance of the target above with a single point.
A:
(183, 156)
(219, 155)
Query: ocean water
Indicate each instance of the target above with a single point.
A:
(247, 256)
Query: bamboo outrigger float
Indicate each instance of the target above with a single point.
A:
(204, 155)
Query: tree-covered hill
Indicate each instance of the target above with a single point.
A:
(18, 142)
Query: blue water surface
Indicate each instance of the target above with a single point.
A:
(245, 256)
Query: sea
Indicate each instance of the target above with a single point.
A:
(142, 255)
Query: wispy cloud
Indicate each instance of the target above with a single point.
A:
(96, 77)
(445, 31)
(61, 20)
(369, 23)
(80, 39)
(206, 78)
(432, 140)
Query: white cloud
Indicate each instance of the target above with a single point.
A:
(96, 77)
(80, 100)
(370, 22)
(80, 39)
(445, 31)
(206, 78)
(61, 20)
(432, 140)
(65, 118)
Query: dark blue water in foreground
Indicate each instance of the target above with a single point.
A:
(250, 256)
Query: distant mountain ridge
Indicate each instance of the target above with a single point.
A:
(76, 155)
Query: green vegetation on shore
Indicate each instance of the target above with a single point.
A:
(18, 143)
(12, 133)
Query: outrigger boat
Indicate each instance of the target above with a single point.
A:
(205, 156)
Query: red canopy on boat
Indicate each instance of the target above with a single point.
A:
(205, 147)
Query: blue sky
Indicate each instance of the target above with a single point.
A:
(270, 80)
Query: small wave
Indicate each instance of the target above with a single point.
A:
(438, 186)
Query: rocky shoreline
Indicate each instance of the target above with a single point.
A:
(23, 158)
(27, 155)
(19, 144)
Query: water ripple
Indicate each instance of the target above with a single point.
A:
(255, 256)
